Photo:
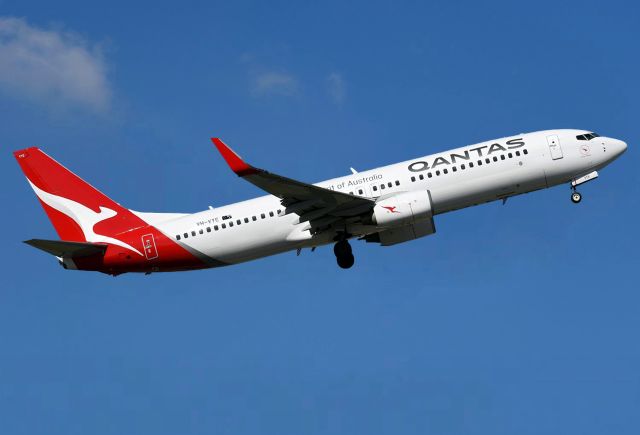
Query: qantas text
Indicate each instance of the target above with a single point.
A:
(479, 151)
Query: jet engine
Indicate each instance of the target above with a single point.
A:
(402, 217)
(402, 209)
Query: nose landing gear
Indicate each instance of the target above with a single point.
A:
(576, 197)
(344, 254)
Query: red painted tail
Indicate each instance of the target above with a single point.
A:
(118, 240)
(78, 211)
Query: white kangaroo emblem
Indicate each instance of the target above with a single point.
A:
(83, 216)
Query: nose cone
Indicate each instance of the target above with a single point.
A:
(617, 147)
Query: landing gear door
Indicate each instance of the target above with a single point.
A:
(554, 147)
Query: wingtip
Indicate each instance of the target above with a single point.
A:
(235, 162)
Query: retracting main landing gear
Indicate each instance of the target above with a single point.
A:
(344, 254)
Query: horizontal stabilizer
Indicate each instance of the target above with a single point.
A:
(61, 248)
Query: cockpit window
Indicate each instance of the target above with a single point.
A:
(587, 136)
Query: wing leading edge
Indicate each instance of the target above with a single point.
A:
(310, 202)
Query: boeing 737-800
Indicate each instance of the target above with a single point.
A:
(387, 205)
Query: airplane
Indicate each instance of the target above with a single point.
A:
(387, 205)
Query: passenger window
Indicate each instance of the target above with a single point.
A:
(445, 171)
(525, 152)
(421, 177)
(238, 222)
(224, 226)
(429, 174)
(438, 173)
(178, 237)
(470, 165)
(502, 157)
(413, 179)
(389, 184)
(279, 211)
(271, 213)
(360, 191)
(215, 228)
(397, 183)
(495, 159)
(463, 167)
(208, 229)
(510, 155)
(253, 218)
(193, 233)
(262, 215)
(487, 160)
(518, 153)
(375, 188)
(479, 162)
(381, 186)
(246, 220)
(230, 224)
(454, 169)
(350, 193)
(201, 231)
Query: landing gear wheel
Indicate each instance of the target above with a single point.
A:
(346, 262)
(342, 248)
(344, 254)
(576, 197)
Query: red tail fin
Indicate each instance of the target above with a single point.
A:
(78, 211)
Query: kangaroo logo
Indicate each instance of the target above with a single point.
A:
(83, 216)
(391, 208)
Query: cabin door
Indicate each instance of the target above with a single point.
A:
(554, 147)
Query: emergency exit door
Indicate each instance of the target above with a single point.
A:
(554, 147)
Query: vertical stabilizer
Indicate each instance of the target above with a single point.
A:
(78, 211)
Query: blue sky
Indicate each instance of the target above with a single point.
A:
(521, 318)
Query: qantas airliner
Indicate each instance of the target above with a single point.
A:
(387, 205)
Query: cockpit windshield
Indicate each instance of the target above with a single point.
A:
(587, 136)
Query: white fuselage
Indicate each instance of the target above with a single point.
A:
(455, 179)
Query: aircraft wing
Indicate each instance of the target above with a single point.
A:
(310, 202)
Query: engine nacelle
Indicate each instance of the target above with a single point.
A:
(402, 209)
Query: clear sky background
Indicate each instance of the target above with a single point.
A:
(515, 319)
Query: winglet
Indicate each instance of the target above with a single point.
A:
(237, 165)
